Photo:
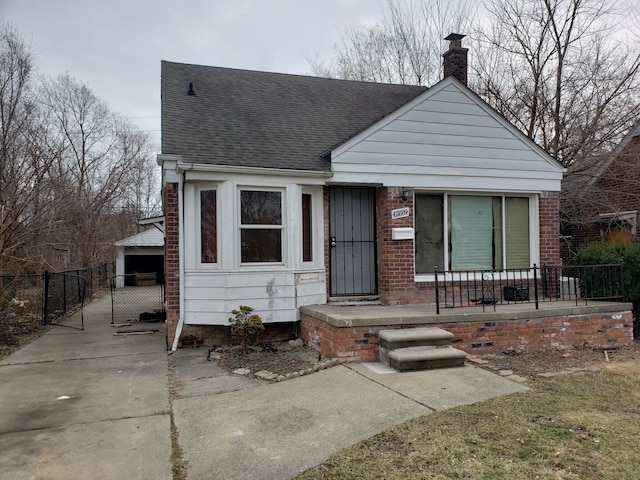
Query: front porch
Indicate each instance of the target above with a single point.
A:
(351, 332)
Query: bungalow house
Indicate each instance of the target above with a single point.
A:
(282, 191)
(601, 198)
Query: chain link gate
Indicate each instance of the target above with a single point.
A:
(63, 292)
(137, 298)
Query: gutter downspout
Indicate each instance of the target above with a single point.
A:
(174, 347)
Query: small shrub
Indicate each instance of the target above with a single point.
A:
(245, 327)
(629, 255)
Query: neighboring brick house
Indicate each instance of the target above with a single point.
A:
(282, 191)
(602, 200)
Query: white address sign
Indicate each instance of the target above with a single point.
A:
(399, 213)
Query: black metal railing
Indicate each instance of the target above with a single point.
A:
(482, 288)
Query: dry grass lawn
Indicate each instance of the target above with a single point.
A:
(578, 426)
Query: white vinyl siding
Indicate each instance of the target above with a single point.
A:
(446, 139)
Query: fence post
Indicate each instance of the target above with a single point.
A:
(622, 281)
(535, 283)
(45, 297)
(435, 271)
(112, 281)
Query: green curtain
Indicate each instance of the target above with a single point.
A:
(471, 232)
(517, 232)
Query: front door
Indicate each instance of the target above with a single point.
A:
(352, 233)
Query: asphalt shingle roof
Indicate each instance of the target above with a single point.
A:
(261, 119)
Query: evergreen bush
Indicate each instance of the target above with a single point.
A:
(245, 327)
(629, 255)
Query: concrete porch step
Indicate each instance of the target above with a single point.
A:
(414, 337)
(423, 358)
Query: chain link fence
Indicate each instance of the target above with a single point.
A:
(27, 302)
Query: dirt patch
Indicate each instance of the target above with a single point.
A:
(531, 365)
(280, 358)
(18, 330)
(283, 359)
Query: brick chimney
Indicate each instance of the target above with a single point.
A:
(455, 59)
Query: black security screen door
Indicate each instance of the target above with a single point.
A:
(352, 238)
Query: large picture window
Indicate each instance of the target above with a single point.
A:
(484, 232)
(208, 227)
(260, 226)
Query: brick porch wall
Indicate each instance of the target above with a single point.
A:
(396, 283)
(360, 344)
(549, 218)
(171, 259)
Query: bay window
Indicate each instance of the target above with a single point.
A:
(471, 232)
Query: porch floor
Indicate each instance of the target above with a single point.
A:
(399, 315)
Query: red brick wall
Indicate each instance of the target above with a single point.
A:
(395, 257)
(360, 344)
(616, 190)
(171, 259)
(549, 218)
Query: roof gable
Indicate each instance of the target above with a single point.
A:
(261, 119)
(452, 138)
(452, 115)
(148, 238)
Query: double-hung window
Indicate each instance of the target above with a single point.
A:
(471, 232)
(261, 228)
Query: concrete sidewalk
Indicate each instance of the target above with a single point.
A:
(93, 405)
(274, 431)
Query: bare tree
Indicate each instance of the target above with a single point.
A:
(404, 48)
(25, 160)
(104, 167)
(69, 167)
(566, 72)
(561, 71)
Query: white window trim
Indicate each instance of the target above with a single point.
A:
(317, 229)
(198, 220)
(238, 227)
(192, 227)
(628, 217)
(534, 235)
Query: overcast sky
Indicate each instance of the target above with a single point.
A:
(115, 46)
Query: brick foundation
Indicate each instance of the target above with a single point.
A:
(360, 343)
(216, 335)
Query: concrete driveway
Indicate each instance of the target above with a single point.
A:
(94, 405)
(86, 404)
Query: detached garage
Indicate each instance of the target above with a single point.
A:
(140, 257)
